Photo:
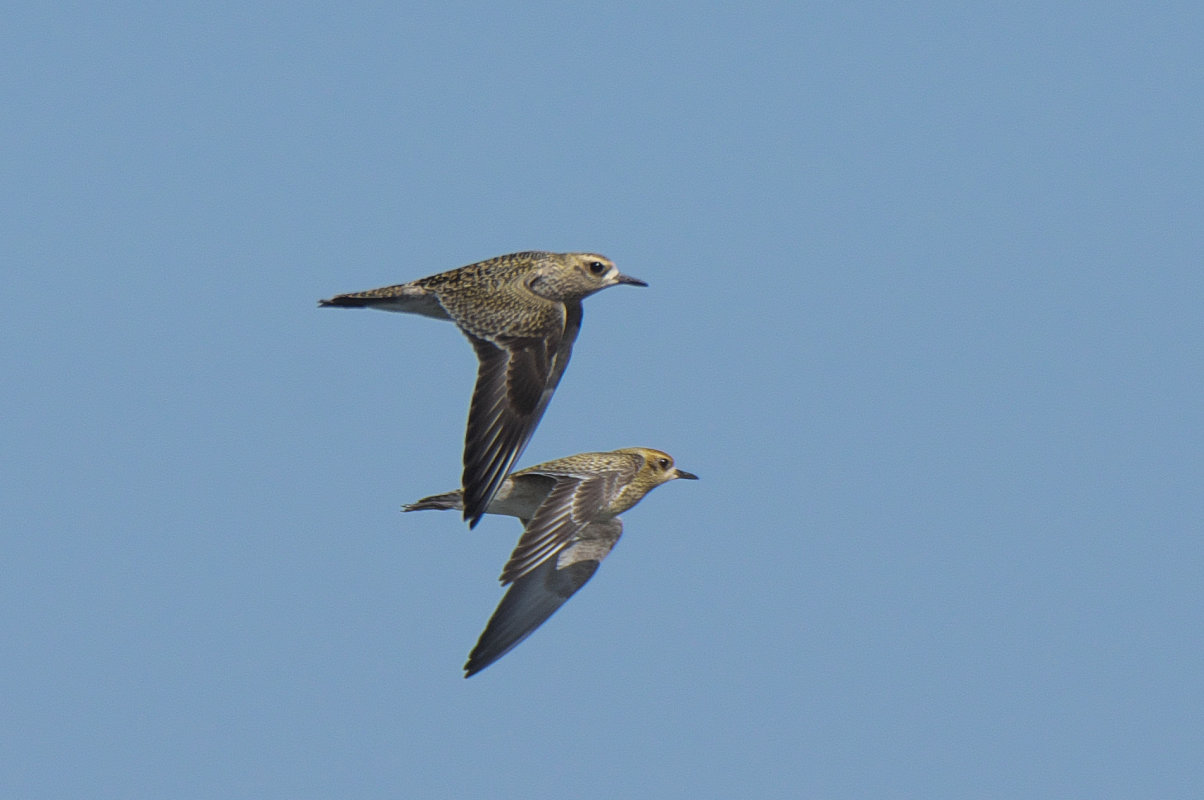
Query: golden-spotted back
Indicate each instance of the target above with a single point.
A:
(568, 507)
(521, 312)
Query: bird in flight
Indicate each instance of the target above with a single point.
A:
(521, 312)
(569, 508)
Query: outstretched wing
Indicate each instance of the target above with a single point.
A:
(535, 596)
(515, 381)
(574, 501)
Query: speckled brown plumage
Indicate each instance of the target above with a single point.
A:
(522, 313)
(569, 510)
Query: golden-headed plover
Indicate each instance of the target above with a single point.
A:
(569, 508)
(522, 313)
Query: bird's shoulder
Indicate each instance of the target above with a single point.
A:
(490, 302)
(584, 466)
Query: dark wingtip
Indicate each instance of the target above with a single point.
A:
(476, 503)
(477, 661)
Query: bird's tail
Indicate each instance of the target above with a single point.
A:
(439, 502)
(350, 301)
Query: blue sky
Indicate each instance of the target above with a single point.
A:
(923, 314)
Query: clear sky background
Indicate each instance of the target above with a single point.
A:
(924, 314)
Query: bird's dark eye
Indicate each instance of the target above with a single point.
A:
(664, 463)
(597, 267)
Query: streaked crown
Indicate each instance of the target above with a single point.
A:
(658, 468)
(572, 276)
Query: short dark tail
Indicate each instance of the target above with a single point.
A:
(451, 501)
(348, 301)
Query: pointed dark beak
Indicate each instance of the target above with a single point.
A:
(629, 280)
(690, 476)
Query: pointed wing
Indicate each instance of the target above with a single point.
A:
(537, 595)
(515, 381)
